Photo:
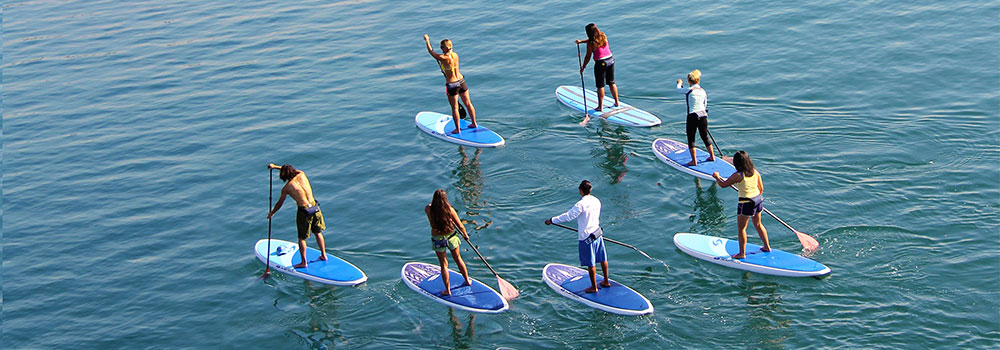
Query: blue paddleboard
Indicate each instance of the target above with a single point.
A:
(334, 270)
(624, 114)
(571, 281)
(440, 126)
(426, 279)
(676, 154)
(720, 251)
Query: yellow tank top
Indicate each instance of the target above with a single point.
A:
(453, 68)
(748, 187)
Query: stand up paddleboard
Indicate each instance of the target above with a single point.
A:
(624, 114)
(720, 251)
(571, 281)
(676, 154)
(426, 279)
(333, 271)
(440, 126)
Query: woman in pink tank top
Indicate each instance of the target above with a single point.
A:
(604, 63)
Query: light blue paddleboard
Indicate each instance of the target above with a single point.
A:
(720, 251)
(676, 154)
(440, 126)
(334, 270)
(624, 114)
(426, 279)
(571, 281)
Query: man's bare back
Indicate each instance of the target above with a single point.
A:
(300, 190)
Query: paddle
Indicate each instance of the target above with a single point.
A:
(507, 290)
(613, 241)
(583, 86)
(270, 188)
(808, 243)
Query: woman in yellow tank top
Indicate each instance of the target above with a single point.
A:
(747, 180)
(454, 82)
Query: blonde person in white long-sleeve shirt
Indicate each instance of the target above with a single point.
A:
(587, 213)
(697, 114)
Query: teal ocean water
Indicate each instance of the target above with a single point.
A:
(135, 139)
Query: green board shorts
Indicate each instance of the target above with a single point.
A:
(445, 243)
(307, 223)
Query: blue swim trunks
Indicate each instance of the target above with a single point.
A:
(592, 252)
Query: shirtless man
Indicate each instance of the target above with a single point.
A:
(454, 81)
(309, 217)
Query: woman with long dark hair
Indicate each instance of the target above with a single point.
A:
(445, 226)
(748, 181)
(604, 63)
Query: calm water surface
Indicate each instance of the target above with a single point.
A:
(135, 139)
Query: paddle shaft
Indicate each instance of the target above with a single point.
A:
(480, 255)
(270, 189)
(583, 87)
(605, 238)
(721, 154)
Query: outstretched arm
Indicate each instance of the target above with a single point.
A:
(277, 205)
(734, 178)
(430, 50)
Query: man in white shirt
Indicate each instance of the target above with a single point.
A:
(587, 213)
(697, 114)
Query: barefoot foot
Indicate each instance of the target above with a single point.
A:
(710, 159)
(301, 265)
(473, 126)
(739, 256)
(456, 131)
(692, 163)
(606, 284)
(590, 290)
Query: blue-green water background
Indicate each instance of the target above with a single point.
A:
(135, 136)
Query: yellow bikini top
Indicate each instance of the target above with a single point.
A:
(454, 68)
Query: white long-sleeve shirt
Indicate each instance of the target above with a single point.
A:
(697, 100)
(587, 213)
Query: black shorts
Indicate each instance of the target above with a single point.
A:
(604, 72)
(750, 206)
(694, 122)
(456, 87)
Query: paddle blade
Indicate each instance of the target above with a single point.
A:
(809, 244)
(506, 289)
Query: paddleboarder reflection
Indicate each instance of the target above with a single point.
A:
(469, 182)
(767, 320)
(612, 155)
(462, 341)
(708, 207)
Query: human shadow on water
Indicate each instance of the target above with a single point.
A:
(612, 155)
(466, 339)
(708, 208)
(316, 303)
(470, 185)
(766, 324)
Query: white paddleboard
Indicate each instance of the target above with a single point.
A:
(440, 126)
(425, 279)
(571, 281)
(624, 114)
(720, 251)
(333, 271)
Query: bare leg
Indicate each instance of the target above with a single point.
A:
(453, 101)
(322, 246)
(694, 159)
(762, 232)
(614, 93)
(302, 254)
(604, 267)
(600, 99)
(741, 222)
(469, 108)
(593, 280)
(455, 254)
(711, 152)
(443, 261)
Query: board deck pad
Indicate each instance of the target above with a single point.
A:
(426, 279)
(720, 251)
(333, 271)
(676, 154)
(440, 126)
(571, 281)
(624, 114)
